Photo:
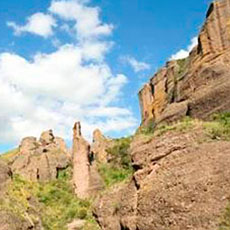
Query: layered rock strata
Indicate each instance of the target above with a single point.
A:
(189, 86)
(179, 183)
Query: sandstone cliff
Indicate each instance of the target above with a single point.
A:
(181, 181)
(175, 178)
(189, 86)
(181, 178)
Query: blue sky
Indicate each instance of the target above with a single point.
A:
(68, 60)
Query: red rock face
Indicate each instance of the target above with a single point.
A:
(81, 164)
(179, 183)
(198, 79)
(86, 179)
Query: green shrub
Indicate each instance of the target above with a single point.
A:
(147, 129)
(119, 167)
(219, 127)
(185, 124)
(56, 203)
(112, 175)
(118, 153)
(183, 64)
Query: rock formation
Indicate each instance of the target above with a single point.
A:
(41, 160)
(81, 164)
(100, 145)
(5, 174)
(189, 86)
(85, 176)
(179, 183)
(181, 179)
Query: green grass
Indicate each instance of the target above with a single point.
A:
(219, 127)
(56, 203)
(119, 167)
(8, 156)
(225, 221)
(113, 175)
(183, 125)
(183, 64)
(147, 129)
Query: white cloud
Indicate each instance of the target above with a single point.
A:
(74, 83)
(183, 53)
(54, 90)
(39, 23)
(136, 65)
(87, 22)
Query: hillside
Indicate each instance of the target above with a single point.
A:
(173, 173)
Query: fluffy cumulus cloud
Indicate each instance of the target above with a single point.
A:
(53, 90)
(185, 52)
(87, 22)
(135, 64)
(39, 23)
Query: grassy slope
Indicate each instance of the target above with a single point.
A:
(218, 128)
(9, 155)
(54, 202)
(119, 167)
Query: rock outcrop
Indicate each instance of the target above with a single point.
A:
(100, 145)
(179, 182)
(5, 174)
(41, 160)
(86, 179)
(190, 86)
(181, 179)
(11, 221)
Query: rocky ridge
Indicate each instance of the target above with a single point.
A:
(181, 172)
(181, 178)
(189, 86)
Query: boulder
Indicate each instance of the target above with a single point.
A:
(47, 138)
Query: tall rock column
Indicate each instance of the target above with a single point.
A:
(81, 164)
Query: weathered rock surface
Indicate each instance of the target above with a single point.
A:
(5, 174)
(180, 182)
(196, 80)
(41, 160)
(86, 179)
(76, 224)
(100, 145)
(116, 209)
(11, 221)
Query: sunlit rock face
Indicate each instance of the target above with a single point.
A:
(100, 146)
(86, 179)
(41, 160)
(196, 80)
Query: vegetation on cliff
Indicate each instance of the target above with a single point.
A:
(53, 202)
(119, 166)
